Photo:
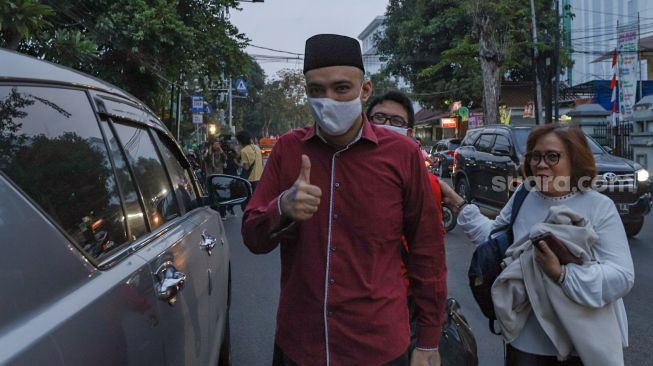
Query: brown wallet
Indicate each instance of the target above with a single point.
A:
(565, 256)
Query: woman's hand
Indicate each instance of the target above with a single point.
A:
(547, 260)
(450, 197)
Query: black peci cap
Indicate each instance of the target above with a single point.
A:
(324, 50)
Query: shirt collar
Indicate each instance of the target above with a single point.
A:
(366, 132)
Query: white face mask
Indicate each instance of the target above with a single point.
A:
(400, 130)
(335, 117)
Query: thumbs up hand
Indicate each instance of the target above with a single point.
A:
(301, 201)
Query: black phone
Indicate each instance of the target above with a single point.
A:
(565, 256)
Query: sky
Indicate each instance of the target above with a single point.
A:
(286, 24)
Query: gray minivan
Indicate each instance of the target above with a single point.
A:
(112, 253)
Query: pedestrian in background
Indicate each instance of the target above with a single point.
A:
(591, 328)
(214, 159)
(337, 198)
(251, 160)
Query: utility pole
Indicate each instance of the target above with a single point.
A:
(230, 100)
(556, 91)
(639, 62)
(538, 86)
(179, 108)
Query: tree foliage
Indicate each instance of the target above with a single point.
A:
(141, 46)
(280, 107)
(439, 46)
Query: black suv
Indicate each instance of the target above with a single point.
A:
(491, 154)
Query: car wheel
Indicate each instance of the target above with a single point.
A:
(633, 227)
(463, 190)
(448, 218)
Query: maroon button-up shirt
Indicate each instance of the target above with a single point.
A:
(343, 299)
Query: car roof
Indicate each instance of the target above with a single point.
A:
(17, 66)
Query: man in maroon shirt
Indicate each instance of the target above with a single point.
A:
(337, 197)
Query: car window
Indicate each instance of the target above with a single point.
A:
(453, 144)
(484, 143)
(502, 144)
(135, 218)
(594, 146)
(150, 175)
(181, 179)
(52, 148)
(470, 137)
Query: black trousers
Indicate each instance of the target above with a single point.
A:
(281, 359)
(515, 357)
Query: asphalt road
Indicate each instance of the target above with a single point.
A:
(256, 290)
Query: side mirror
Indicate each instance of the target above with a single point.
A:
(608, 149)
(228, 190)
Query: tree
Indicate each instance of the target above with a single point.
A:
(449, 49)
(141, 46)
(281, 105)
(20, 19)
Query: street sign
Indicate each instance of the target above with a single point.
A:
(463, 112)
(209, 109)
(241, 86)
(198, 104)
(197, 118)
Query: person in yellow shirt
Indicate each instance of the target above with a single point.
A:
(251, 159)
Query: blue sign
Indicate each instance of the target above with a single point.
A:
(198, 104)
(241, 86)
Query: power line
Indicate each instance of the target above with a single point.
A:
(274, 50)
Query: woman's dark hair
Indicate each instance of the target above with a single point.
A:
(581, 158)
(243, 138)
(397, 97)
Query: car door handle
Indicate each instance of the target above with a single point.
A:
(208, 242)
(171, 282)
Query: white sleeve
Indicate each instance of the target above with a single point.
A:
(477, 226)
(612, 276)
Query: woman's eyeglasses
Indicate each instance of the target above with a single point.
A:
(551, 158)
(382, 118)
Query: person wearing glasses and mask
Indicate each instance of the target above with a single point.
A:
(336, 198)
(576, 316)
(394, 111)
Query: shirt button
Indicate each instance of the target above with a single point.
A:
(333, 248)
(330, 313)
(337, 184)
(332, 281)
(335, 216)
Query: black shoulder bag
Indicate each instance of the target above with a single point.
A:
(485, 266)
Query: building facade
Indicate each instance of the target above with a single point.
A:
(592, 32)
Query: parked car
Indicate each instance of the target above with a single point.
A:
(112, 252)
(442, 156)
(493, 151)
